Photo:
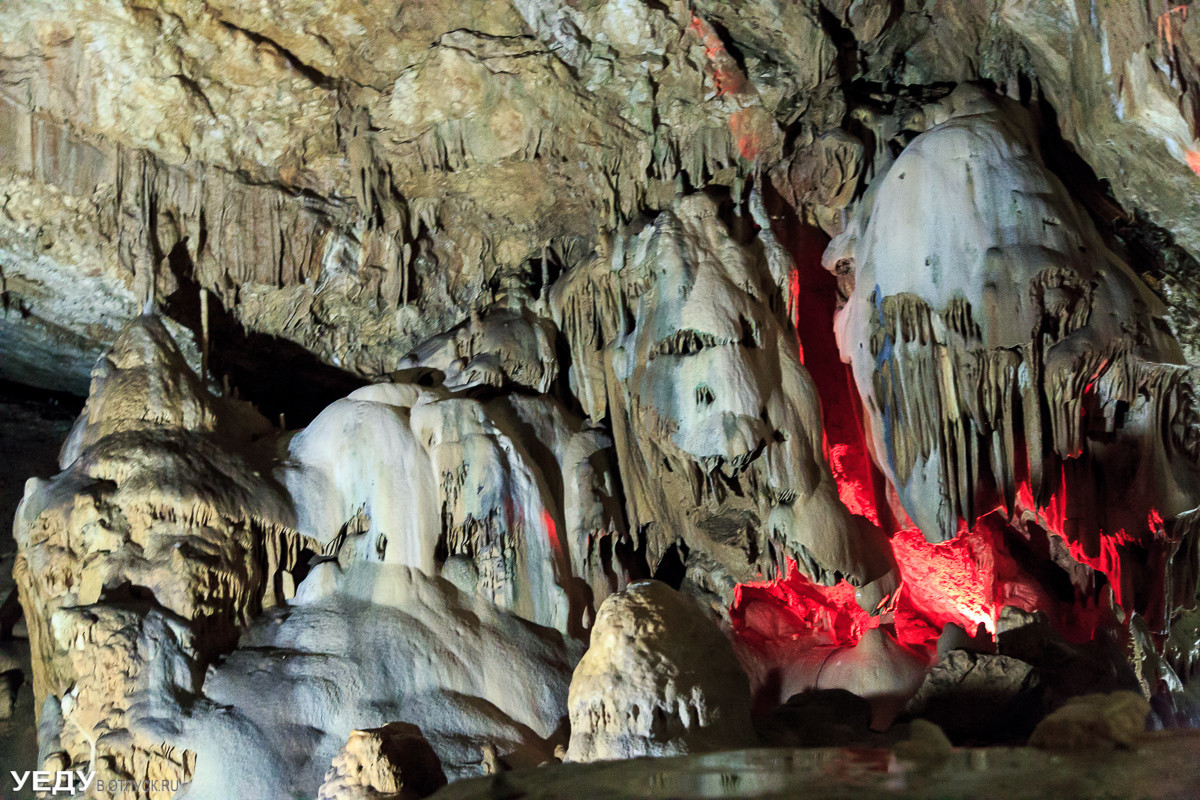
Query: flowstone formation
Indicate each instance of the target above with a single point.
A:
(159, 529)
(448, 485)
(680, 339)
(473, 386)
(1009, 359)
(177, 611)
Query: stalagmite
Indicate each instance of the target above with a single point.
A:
(658, 679)
(800, 394)
(154, 475)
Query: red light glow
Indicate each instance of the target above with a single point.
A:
(950, 582)
(1005, 558)
(794, 607)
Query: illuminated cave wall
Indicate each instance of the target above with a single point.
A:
(416, 337)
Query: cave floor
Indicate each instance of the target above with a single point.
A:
(1165, 764)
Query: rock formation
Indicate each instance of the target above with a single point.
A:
(165, 539)
(450, 485)
(1093, 722)
(680, 339)
(474, 384)
(658, 679)
(158, 529)
(389, 763)
(1008, 358)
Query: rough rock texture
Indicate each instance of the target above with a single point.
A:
(1118, 77)
(389, 763)
(170, 147)
(978, 697)
(32, 429)
(680, 338)
(158, 529)
(658, 679)
(534, 290)
(280, 706)
(161, 545)
(1094, 722)
(1008, 358)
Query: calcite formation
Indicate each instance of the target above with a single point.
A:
(1008, 358)
(679, 337)
(658, 679)
(476, 385)
(445, 484)
(158, 528)
(359, 649)
(1094, 722)
(166, 536)
(389, 763)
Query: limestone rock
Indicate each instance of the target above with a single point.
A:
(878, 669)
(978, 697)
(389, 763)
(279, 708)
(926, 745)
(955, 637)
(658, 679)
(336, 130)
(498, 349)
(1094, 722)
(165, 540)
(451, 485)
(544, 276)
(990, 326)
(680, 336)
(159, 527)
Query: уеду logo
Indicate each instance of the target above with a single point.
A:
(71, 783)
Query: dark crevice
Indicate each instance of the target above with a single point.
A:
(672, 567)
(276, 375)
(312, 74)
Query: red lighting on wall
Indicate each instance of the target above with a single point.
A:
(1000, 560)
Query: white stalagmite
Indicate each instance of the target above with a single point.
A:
(165, 542)
(659, 679)
(159, 528)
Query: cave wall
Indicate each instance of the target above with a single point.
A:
(852, 320)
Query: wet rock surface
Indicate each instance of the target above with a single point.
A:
(1162, 767)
